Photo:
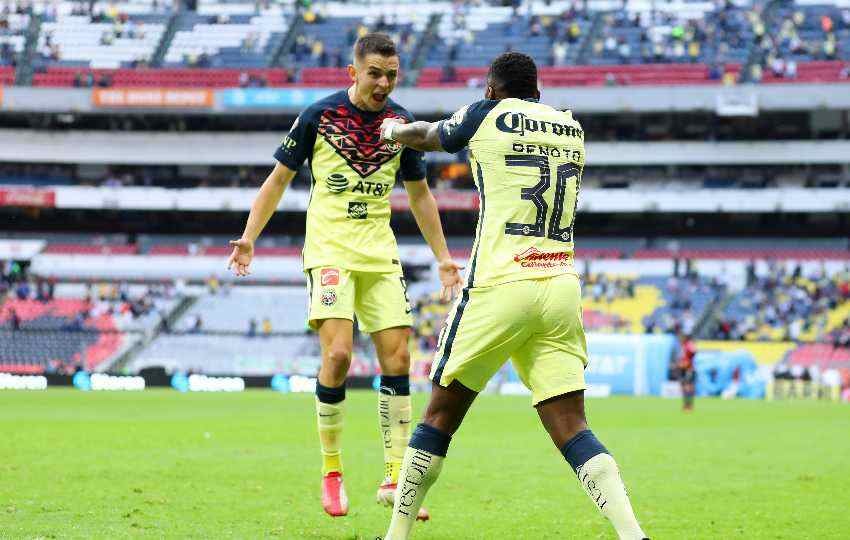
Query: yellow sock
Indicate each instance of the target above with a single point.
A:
(330, 432)
(394, 415)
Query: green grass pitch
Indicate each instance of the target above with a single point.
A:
(160, 464)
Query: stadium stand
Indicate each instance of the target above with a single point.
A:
(100, 35)
(803, 42)
(56, 335)
(232, 309)
(822, 355)
(617, 304)
(213, 37)
(229, 44)
(13, 30)
(789, 306)
(57, 328)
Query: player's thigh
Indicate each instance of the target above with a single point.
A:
(332, 294)
(481, 332)
(552, 361)
(381, 301)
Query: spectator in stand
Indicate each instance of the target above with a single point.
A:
(267, 327)
(197, 324)
(559, 53)
(14, 320)
(791, 69)
(213, 284)
(23, 290)
(448, 74)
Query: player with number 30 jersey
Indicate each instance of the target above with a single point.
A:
(522, 299)
(527, 160)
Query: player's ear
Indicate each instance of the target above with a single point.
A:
(352, 72)
(489, 93)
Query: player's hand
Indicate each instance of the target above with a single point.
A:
(240, 259)
(387, 127)
(450, 278)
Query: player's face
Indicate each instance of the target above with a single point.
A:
(374, 78)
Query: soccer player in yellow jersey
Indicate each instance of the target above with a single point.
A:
(522, 298)
(350, 255)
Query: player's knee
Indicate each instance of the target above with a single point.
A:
(401, 360)
(338, 360)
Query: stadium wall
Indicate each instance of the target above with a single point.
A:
(256, 148)
(747, 99)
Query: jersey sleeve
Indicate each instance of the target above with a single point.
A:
(412, 165)
(456, 132)
(298, 144)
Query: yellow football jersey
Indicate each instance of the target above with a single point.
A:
(527, 159)
(348, 217)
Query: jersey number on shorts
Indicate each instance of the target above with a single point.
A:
(535, 194)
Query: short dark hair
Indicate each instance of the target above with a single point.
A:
(515, 74)
(374, 43)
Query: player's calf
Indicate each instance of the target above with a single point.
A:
(394, 419)
(419, 470)
(599, 476)
(329, 414)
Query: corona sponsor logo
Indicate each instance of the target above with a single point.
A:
(518, 123)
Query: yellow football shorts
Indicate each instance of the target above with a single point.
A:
(537, 323)
(378, 299)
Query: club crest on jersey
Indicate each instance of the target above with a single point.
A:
(328, 297)
(358, 210)
(534, 258)
(336, 183)
(329, 276)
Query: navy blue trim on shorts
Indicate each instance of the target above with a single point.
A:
(470, 280)
(447, 347)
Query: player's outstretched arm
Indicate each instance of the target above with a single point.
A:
(423, 136)
(424, 209)
(261, 211)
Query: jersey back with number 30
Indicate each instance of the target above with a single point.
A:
(527, 160)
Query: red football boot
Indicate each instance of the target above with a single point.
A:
(334, 499)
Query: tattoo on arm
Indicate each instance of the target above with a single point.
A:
(423, 136)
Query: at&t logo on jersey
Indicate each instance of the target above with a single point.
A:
(336, 183)
(534, 258)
